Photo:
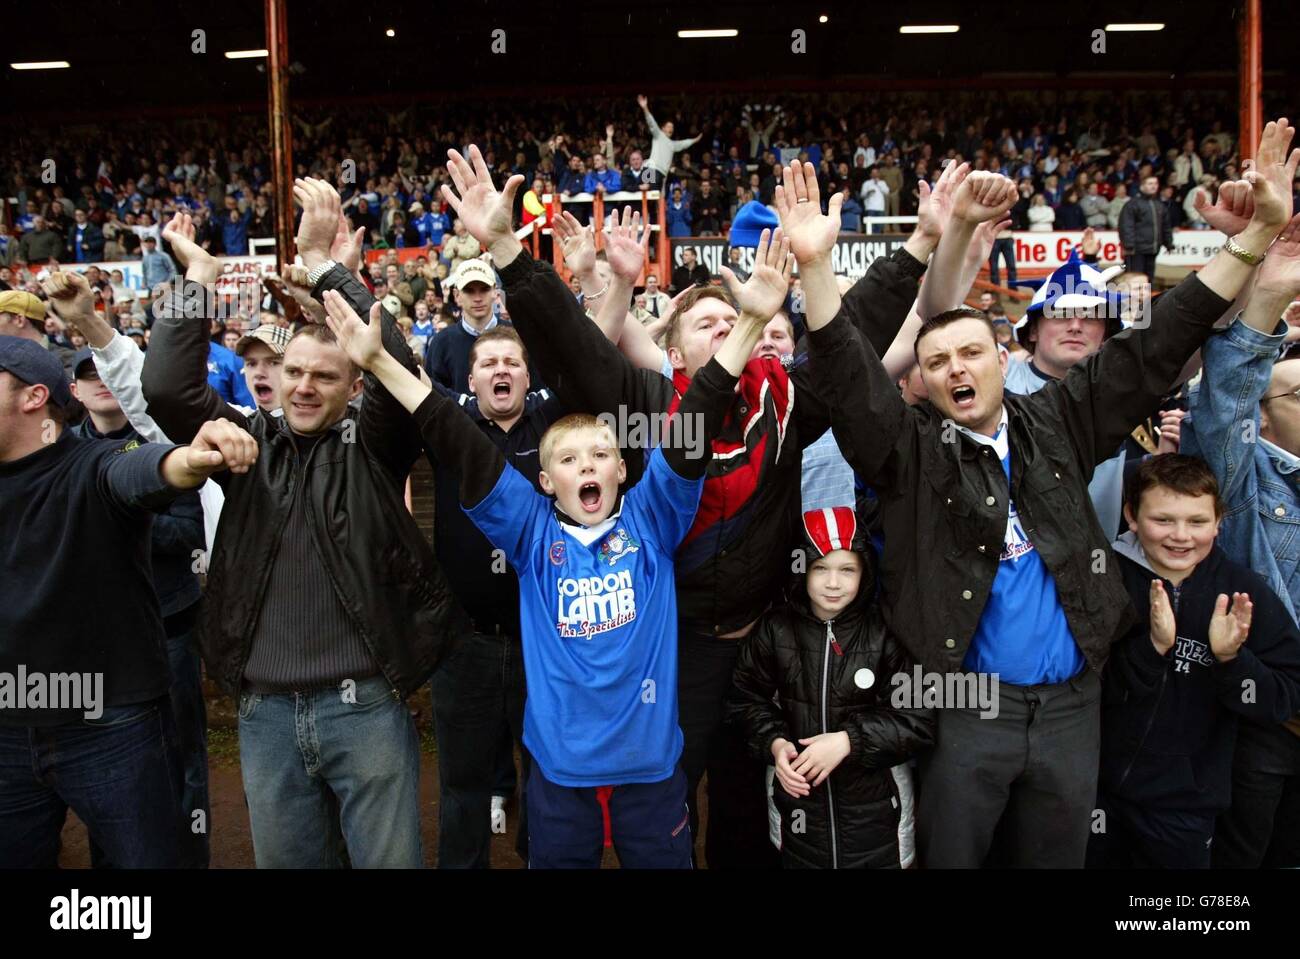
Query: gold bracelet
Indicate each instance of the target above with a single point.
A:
(1243, 254)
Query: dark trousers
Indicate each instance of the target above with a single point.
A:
(646, 823)
(736, 837)
(1033, 768)
(1005, 250)
(191, 715)
(1144, 836)
(119, 773)
(478, 701)
(1141, 263)
(1262, 827)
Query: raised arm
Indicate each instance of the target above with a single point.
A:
(625, 255)
(175, 376)
(450, 436)
(644, 104)
(574, 358)
(1125, 381)
(979, 198)
(385, 426)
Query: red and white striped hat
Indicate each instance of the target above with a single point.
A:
(830, 529)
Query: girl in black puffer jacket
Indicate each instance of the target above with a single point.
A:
(812, 691)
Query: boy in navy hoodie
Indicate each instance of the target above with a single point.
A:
(1213, 647)
(596, 591)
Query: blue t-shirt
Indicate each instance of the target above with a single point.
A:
(1023, 635)
(598, 615)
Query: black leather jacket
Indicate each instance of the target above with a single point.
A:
(944, 497)
(380, 564)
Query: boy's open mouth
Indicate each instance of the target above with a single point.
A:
(589, 496)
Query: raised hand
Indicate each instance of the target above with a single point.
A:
(200, 265)
(218, 445)
(764, 292)
(624, 252)
(934, 208)
(1272, 174)
(1280, 270)
(1230, 213)
(70, 293)
(642, 102)
(577, 242)
(320, 219)
(1162, 619)
(811, 233)
(362, 342)
(484, 210)
(1228, 630)
(983, 196)
(346, 247)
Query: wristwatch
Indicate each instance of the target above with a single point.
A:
(1243, 254)
(317, 273)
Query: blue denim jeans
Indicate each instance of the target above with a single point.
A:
(323, 772)
(119, 773)
(478, 710)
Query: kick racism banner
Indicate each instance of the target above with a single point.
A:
(852, 255)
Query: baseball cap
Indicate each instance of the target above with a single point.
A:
(417, 205)
(392, 304)
(23, 303)
(276, 337)
(34, 364)
(83, 355)
(473, 271)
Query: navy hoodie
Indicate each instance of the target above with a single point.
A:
(1169, 723)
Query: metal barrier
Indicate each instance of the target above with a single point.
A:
(660, 266)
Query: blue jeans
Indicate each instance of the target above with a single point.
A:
(119, 773)
(478, 710)
(322, 772)
(1004, 249)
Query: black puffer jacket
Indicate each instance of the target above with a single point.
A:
(829, 676)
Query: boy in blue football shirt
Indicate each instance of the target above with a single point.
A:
(596, 593)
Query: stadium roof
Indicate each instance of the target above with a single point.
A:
(128, 56)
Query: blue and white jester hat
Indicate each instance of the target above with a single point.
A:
(1075, 285)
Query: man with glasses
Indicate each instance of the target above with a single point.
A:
(1245, 422)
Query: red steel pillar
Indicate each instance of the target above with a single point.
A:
(1251, 74)
(277, 84)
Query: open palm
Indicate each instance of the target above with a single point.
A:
(811, 233)
(485, 210)
(1228, 630)
(1273, 173)
(934, 207)
(577, 243)
(764, 292)
(624, 252)
(362, 342)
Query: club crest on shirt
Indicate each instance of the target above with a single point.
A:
(556, 552)
(617, 545)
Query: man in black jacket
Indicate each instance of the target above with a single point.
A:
(84, 718)
(994, 560)
(325, 608)
(1145, 228)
